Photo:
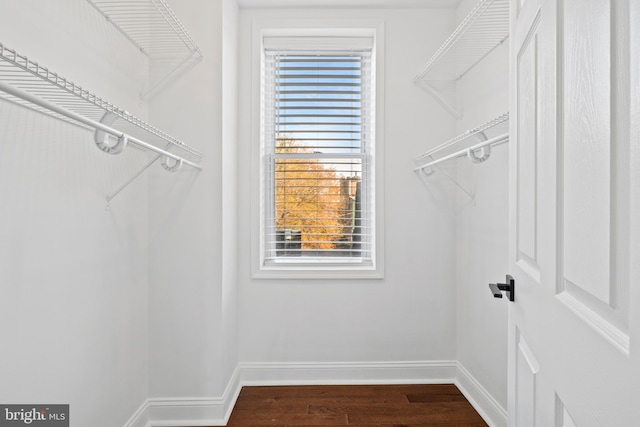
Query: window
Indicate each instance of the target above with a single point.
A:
(318, 140)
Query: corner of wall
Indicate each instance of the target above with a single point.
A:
(140, 418)
(196, 411)
(483, 402)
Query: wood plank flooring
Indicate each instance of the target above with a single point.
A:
(389, 405)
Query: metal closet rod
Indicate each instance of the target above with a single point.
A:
(89, 122)
(493, 141)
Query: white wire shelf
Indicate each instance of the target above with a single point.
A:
(25, 82)
(156, 31)
(21, 72)
(484, 29)
(475, 141)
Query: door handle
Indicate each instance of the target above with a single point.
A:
(509, 288)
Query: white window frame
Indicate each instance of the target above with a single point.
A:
(315, 270)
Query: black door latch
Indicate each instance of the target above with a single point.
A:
(509, 287)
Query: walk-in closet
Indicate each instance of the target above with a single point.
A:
(292, 204)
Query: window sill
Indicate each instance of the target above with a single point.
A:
(320, 272)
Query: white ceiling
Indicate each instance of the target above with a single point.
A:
(347, 3)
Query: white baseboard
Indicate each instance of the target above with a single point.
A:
(140, 418)
(192, 412)
(156, 412)
(483, 402)
(347, 373)
(187, 412)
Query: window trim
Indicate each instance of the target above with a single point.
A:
(301, 269)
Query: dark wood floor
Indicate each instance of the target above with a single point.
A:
(393, 405)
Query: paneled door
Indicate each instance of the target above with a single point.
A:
(574, 251)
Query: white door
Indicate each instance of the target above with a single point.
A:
(574, 252)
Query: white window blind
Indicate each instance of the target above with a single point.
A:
(318, 136)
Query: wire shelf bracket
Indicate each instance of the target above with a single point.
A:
(484, 29)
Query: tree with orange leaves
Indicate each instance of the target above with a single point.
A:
(308, 197)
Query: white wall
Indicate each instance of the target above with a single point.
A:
(410, 314)
(73, 285)
(482, 229)
(128, 310)
(230, 120)
(193, 294)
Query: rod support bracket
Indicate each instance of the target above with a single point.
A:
(170, 164)
(485, 153)
(105, 141)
